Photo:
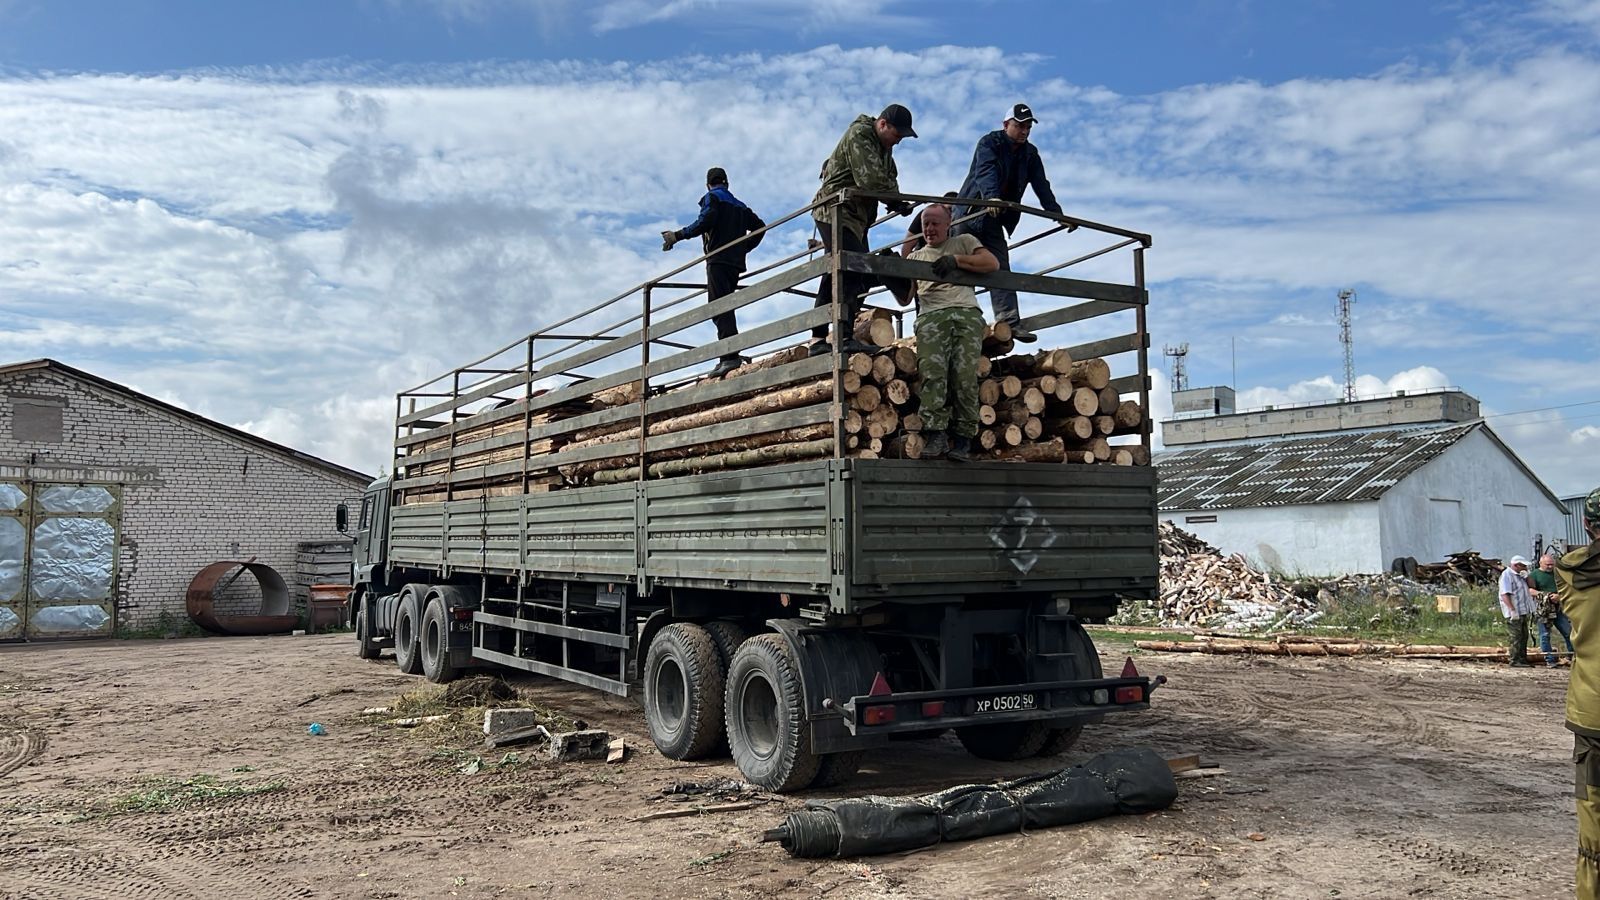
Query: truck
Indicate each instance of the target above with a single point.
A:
(581, 505)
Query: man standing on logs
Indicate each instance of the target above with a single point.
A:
(1578, 579)
(1003, 165)
(1516, 604)
(723, 219)
(863, 158)
(949, 337)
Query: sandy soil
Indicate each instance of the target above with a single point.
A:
(1362, 779)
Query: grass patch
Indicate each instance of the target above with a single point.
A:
(163, 794)
(1418, 621)
(165, 627)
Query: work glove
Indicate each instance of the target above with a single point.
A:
(992, 212)
(944, 266)
(899, 207)
(668, 238)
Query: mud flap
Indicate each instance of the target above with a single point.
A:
(834, 666)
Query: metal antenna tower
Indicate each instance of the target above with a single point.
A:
(1180, 376)
(1346, 298)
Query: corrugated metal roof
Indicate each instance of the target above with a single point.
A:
(1326, 468)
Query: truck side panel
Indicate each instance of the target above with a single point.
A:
(981, 527)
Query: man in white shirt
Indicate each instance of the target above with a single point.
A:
(1516, 604)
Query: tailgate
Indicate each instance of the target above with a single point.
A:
(940, 528)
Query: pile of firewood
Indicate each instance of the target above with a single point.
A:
(1044, 407)
(1034, 407)
(1199, 587)
(1306, 645)
(1466, 567)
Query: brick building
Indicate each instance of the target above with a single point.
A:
(111, 501)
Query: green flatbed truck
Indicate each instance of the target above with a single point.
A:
(796, 613)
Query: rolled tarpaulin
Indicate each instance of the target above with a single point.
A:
(1118, 782)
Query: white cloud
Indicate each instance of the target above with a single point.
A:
(809, 15)
(1327, 389)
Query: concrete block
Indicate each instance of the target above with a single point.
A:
(568, 746)
(500, 721)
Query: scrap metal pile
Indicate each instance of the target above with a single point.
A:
(1202, 588)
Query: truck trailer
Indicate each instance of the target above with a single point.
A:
(735, 552)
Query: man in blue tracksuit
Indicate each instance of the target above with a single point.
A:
(1004, 165)
(723, 218)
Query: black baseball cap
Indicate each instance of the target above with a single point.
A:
(1022, 112)
(900, 118)
(715, 175)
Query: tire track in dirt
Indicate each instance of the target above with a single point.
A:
(19, 745)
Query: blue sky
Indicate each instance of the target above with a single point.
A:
(245, 208)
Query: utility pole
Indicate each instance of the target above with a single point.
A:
(1180, 377)
(1346, 298)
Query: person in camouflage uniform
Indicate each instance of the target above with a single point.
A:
(863, 158)
(949, 337)
(1578, 580)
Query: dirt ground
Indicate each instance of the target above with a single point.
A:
(1360, 779)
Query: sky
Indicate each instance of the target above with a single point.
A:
(279, 215)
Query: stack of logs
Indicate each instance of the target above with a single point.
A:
(1466, 567)
(1202, 587)
(1038, 407)
(1044, 407)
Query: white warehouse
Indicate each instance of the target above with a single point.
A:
(1304, 493)
(111, 501)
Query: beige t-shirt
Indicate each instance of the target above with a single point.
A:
(936, 294)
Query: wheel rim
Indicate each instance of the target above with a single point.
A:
(669, 692)
(758, 713)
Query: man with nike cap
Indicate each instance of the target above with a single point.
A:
(1003, 165)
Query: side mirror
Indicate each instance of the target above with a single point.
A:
(341, 518)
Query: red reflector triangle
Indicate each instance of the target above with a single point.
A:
(880, 686)
(1128, 671)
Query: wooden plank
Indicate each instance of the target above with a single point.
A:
(1017, 281)
(702, 313)
(1108, 347)
(1075, 313)
(1129, 384)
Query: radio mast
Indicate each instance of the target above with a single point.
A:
(1346, 298)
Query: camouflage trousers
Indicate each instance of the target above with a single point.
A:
(1586, 756)
(949, 342)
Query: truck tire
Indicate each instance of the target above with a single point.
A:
(1063, 737)
(727, 636)
(767, 716)
(683, 687)
(434, 641)
(837, 768)
(1004, 741)
(407, 620)
(366, 647)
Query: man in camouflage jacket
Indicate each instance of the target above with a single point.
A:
(863, 158)
(1578, 580)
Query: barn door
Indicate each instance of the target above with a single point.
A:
(72, 561)
(13, 559)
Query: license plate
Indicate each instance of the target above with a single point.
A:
(1004, 703)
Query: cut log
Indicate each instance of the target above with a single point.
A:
(1011, 412)
(1075, 428)
(883, 369)
(1055, 362)
(996, 336)
(911, 421)
(1104, 425)
(905, 360)
(1091, 373)
(1096, 445)
(875, 445)
(852, 441)
(1033, 429)
(1045, 384)
(987, 439)
(883, 421)
(791, 397)
(1001, 349)
(989, 391)
(1010, 435)
(1121, 457)
(1109, 400)
(1010, 386)
(905, 446)
(1128, 414)
(719, 461)
(859, 363)
(871, 329)
(1052, 451)
(865, 454)
(1141, 456)
(781, 358)
(1033, 399)
(853, 421)
(1082, 457)
(986, 414)
(867, 398)
(1085, 402)
(898, 392)
(985, 366)
(800, 434)
(849, 382)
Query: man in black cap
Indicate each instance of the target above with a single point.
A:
(723, 219)
(1003, 165)
(863, 158)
